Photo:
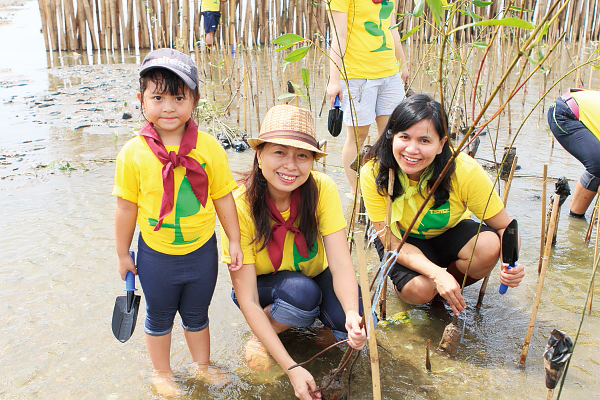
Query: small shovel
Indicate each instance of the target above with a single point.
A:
(126, 309)
(510, 248)
(334, 122)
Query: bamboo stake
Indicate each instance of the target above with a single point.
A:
(69, 24)
(369, 324)
(185, 26)
(145, 34)
(590, 229)
(506, 190)
(44, 17)
(112, 44)
(388, 236)
(130, 26)
(61, 25)
(595, 249)
(543, 232)
(542, 277)
(81, 34)
(270, 65)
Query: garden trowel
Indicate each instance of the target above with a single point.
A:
(126, 309)
(510, 248)
(334, 122)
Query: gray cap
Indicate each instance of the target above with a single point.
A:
(175, 61)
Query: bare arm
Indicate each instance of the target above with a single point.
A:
(345, 285)
(246, 292)
(398, 49)
(509, 277)
(339, 27)
(228, 217)
(125, 220)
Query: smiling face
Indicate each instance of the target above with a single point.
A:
(415, 148)
(285, 168)
(167, 112)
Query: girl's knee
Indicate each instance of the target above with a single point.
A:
(417, 292)
(299, 291)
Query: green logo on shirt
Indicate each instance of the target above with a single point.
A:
(298, 257)
(187, 205)
(376, 30)
(434, 219)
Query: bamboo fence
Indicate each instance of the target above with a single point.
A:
(71, 25)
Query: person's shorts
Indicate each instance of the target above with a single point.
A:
(442, 250)
(174, 283)
(211, 20)
(372, 98)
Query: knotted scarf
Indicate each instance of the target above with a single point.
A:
(280, 229)
(171, 160)
(409, 193)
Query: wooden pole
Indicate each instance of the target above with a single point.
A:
(44, 17)
(595, 253)
(506, 190)
(369, 323)
(81, 34)
(542, 277)
(388, 236)
(543, 232)
(69, 24)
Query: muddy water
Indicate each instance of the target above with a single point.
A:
(58, 278)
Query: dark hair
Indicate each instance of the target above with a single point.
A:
(167, 81)
(256, 194)
(409, 112)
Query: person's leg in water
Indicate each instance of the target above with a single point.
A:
(582, 197)
(288, 299)
(201, 269)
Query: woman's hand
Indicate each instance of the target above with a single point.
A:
(513, 276)
(125, 264)
(303, 383)
(449, 289)
(237, 257)
(356, 333)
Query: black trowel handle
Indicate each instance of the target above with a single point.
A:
(130, 284)
(510, 249)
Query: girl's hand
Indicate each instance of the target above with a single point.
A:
(237, 257)
(405, 75)
(303, 383)
(356, 334)
(449, 289)
(124, 264)
(513, 276)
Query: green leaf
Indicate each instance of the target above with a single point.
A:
(419, 8)
(297, 54)
(410, 33)
(472, 14)
(480, 45)
(374, 29)
(518, 9)
(287, 96)
(288, 39)
(306, 77)
(543, 32)
(437, 10)
(285, 47)
(479, 3)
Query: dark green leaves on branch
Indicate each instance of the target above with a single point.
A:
(306, 77)
(288, 40)
(437, 9)
(297, 54)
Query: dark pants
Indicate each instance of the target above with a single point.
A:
(578, 140)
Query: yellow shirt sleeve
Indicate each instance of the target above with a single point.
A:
(375, 203)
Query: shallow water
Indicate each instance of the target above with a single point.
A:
(58, 277)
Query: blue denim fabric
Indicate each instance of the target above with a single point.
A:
(174, 283)
(211, 20)
(578, 140)
(297, 300)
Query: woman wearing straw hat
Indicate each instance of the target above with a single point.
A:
(297, 266)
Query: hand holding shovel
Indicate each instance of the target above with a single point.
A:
(510, 249)
(126, 309)
(334, 122)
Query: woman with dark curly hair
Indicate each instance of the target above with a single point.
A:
(444, 238)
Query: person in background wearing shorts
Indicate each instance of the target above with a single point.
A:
(370, 55)
(436, 255)
(212, 16)
(574, 119)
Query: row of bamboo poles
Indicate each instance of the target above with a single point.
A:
(71, 25)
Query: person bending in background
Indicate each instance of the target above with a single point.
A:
(574, 119)
(370, 55)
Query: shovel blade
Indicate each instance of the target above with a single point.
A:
(334, 121)
(123, 321)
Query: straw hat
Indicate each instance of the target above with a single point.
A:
(289, 126)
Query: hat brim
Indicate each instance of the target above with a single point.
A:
(255, 142)
(189, 82)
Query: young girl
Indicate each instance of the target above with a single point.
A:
(171, 179)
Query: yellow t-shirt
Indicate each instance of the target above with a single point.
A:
(210, 5)
(330, 219)
(370, 50)
(589, 109)
(471, 188)
(138, 178)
